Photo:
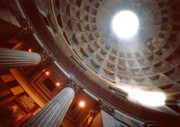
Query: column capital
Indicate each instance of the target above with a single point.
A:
(107, 107)
(46, 57)
(26, 25)
(74, 85)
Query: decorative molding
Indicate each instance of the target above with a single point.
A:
(154, 124)
(107, 107)
(74, 85)
(26, 25)
(46, 57)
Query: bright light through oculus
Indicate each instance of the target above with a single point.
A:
(147, 98)
(125, 24)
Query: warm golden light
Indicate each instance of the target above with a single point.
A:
(81, 104)
(57, 84)
(147, 98)
(29, 50)
(47, 73)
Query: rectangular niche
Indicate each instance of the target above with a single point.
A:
(49, 84)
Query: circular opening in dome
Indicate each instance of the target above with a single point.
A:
(125, 24)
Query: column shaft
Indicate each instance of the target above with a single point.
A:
(15, 58)
(52, 114)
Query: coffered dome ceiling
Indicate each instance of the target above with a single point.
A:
(151, 58)
(77, 34)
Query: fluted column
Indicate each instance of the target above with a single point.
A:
(52, 114)
(15, 58)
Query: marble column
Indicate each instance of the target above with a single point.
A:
(15, 58)
(52, 114)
